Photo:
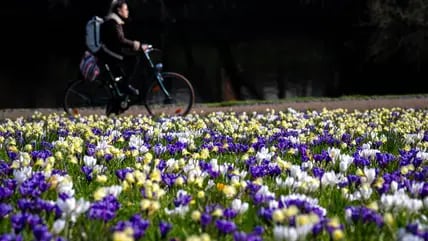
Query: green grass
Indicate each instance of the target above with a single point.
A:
(310, 99)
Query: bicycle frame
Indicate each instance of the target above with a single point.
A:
(157, 71)
(149, 88)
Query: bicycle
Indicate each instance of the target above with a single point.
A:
(167, 93)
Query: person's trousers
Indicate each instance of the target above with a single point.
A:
(122, 70)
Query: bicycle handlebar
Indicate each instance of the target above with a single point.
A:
(150, 49)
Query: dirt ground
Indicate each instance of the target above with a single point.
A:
(415, 101)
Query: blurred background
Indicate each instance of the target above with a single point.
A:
(229, 49)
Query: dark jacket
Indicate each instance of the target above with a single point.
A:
(114, 41)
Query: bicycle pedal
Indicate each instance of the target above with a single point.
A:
(123, 104)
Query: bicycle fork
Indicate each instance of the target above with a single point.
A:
(160, 79)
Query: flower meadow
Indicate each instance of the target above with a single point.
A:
(277, 175)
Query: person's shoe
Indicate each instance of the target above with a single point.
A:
(113, 108)
(110, 109)
(133, 91)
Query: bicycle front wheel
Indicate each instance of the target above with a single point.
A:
(176, 99)
(83, 97)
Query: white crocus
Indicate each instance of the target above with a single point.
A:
(422, 155)
(138, 143)
(334, 154)
(281, 233)
(89, 161)
(329, 179)
(345, 162)
(103, 144)
(264, 154)
(58, 226)
(22, 174)
(114, 190)
(354, 196)
(370, 175)
(264, 191)
(65, 185)
(307, 165)
(99, 169)
(416, 187)
(366, 191)
(71, 208)
(180, 210)
(394, 186)
(413, 138)
(295, 171)
(400, 201)
(405, 236)
(239, 206)
(291, 233)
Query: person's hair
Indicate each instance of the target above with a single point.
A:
(116, 4)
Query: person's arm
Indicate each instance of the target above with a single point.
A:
(135, 45)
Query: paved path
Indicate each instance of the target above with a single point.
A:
(414, 101)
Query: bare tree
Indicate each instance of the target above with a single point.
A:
(401, 25)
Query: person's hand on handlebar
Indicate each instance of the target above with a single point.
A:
(145, 47)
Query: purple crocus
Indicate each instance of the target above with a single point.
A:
(266, 213)
(139, 225)
(242, 236)
(34, 186)
(62, 132)
(35, 205)
(104, 209)
(136, 222)
(20, 220)
(169, 178)
(5, 193)
(87, 170)
(5, 170)
(164, 228)
(159, 149)
(323, 156)
(384, 158)
(41, 232)
(90, 149)
(42, 154)
(182, 199)
(229, 213)
(121, 173)
(417, 230)
(11, 237)
(360, 161)
(108, 157)
(205, 219)
(366, 215)
(225, 226)
(162, 164)
(424, 190)
(318, 172)
(5, 209)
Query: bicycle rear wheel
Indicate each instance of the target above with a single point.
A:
(180, 91)
(84, 97)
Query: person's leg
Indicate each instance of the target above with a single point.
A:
(113, 74)
(130, 64)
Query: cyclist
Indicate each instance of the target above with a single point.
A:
(118, 52)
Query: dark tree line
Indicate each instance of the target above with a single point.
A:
(371, 40)
(373, 34)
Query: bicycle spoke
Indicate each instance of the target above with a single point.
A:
(83, 97)
(179, 100)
